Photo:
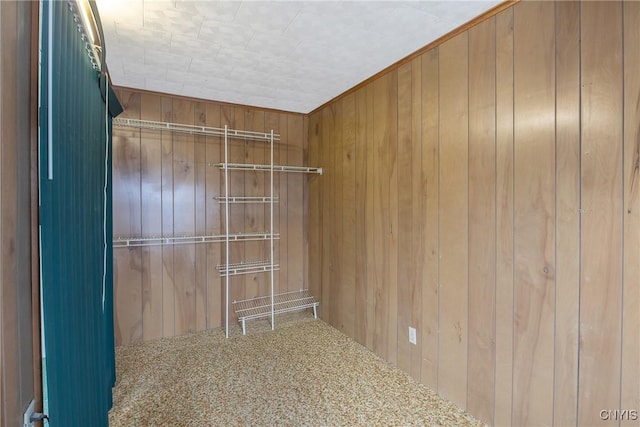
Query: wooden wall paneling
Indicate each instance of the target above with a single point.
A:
(10, 384)
(184, 218)
(504, 218)
(200, 189)
(429, 217)
(151, 205)
(405, 212)
(534, 153)
(328, 211)
(18, 313)
(213, 220)
(418, 209)
(393, 218)
(314, 230)
(380, 279)
(272, 121)
(324, 212)
(602, 207)
(4, 411)
(174, 196)
(360, 169)
(35, 194)
(371, 231)
(168, 265)
(256, 184)
(348, 259)
(453, 220)
(482, 220)
(127, 222)
(329, 142)
(336, 284)
(295, 200)
(567, 199)
(10, 364)
(630, 387)
(234, 119)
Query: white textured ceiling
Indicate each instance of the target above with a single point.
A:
(287, 55)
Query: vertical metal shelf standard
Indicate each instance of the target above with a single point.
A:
(228, 269)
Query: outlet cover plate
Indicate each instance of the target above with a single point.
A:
(412, 335)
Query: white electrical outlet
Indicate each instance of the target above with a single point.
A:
(412, 335)
(28, 413)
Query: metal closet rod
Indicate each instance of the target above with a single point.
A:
(193, 129)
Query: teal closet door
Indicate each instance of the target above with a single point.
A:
(75, 261)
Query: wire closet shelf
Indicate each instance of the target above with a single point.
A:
(261, 307)
(269, 305)
(195, 130)
(225, 132)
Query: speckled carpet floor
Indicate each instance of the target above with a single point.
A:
(305, 373)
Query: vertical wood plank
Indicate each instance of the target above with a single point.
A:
(418, 208)
(504, 218)
(630, 387)
(361, 145)
(348, 277)
(534, 134)
(20, 367)
(453, 220)
(168, 270)
(392, 275)
(405, 211)
(200, 186)
(184, 219)
(314, 231)
(602, 207)
(567, 212)
(335, 281)
(127, 222)
(429, 193)
(295, 200)
(213, 220)
(381, 236)
(371, 226)
(4, 411)
(11, 398)
(151, 204)
(328, 211)
(482, 221)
